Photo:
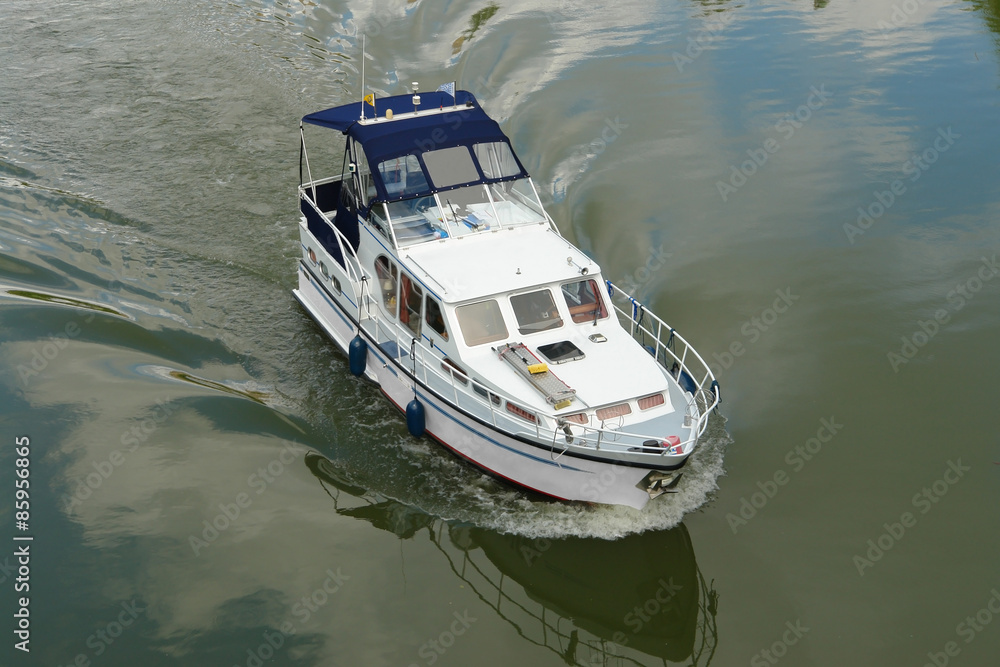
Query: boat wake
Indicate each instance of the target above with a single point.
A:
(446, 487)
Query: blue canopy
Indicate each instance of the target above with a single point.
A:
(464, 124)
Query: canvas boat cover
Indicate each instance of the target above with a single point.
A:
(464, 124)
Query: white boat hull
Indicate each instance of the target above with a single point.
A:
(525, 464)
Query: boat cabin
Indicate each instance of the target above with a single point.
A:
(420, 172)
(433, 208)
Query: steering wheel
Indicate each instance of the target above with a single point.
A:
(424, 203)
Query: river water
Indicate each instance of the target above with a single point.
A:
(806, 190)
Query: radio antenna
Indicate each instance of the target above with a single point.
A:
(363, 76)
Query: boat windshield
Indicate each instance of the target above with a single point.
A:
(463, 210)
(535, 311)
(481, 322)
(584, 301)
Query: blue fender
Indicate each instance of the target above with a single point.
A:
(357, 355)
(415, 418)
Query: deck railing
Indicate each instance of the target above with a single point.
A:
(671, 351)
(352, 265)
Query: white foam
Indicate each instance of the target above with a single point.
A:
(454, 491)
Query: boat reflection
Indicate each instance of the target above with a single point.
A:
(590, 601)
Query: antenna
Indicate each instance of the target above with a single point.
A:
(363, 35)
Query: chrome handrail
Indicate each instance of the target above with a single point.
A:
(342, 241)
(706, 378)
(548, 426)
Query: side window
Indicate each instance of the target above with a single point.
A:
(496, 159)
(348, 196)
(387, 275)
(377, 217)
(584, 301)
(411, 297)
(402, 176)
(364, 177)
(435, 318)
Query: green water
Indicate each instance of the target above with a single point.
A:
(807, 191)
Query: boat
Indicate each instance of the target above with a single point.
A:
(428, 258)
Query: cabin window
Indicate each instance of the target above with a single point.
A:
(651, 401)
(451, 166)
(324, 270)
(535, 311)
(336, 284)
(496, 160)
(366, 187)
(411, 296)
(520, 412)
(435, 318)
(453, 369)
(485, 393)
(481, 322)
(377, 217)
(402, 176)
(584, 301)
(614, 411)
(387, 275)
